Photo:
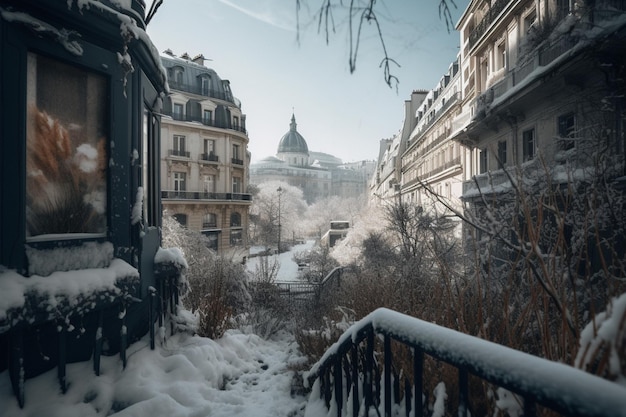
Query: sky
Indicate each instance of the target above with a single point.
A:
(254, 44)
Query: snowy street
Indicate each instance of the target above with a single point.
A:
(238, 375)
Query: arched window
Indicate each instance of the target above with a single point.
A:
(235, 220)
(209, 220)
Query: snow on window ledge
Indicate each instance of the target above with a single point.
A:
(44, 262)
(37, 299)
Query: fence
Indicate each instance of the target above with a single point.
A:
(348, 377)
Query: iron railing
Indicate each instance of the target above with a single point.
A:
(207, 122)
(211, 157)
(203, 91)
(349, 376)
(200, 195)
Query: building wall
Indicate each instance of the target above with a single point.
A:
(205, 163)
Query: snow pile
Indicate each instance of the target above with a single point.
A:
(171, 256)
(239, 374)
(60, 292)
(601, 342)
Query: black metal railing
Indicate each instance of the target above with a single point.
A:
(453, 99)
(211, 157)
(351, 371)
(201, 195)
(236, 161)
(487, 20)
(179, 152)
(202, 91)
(207, 122)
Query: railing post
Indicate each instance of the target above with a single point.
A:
(530, 408)
(369, 371)
(98, 343)
(387, 375)
(355, 380)
(418, 381)
(338, 376)
(61, 367)
(463, 392)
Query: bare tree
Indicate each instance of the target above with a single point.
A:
(360, 14)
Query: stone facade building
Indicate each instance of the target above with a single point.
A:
(204, 157)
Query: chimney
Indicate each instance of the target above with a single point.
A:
(199, 59)
(185, 56)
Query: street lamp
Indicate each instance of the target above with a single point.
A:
(280, 191)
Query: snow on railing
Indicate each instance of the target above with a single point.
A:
(348, 377)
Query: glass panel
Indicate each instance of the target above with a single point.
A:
(66, 159)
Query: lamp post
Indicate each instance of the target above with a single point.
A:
(280, 191)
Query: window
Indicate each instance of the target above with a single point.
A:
(207, 117)
(209, 146)
(209, 220)
(179, 146)
(178, 76)
(236, 233)
(209, 183)
(566, 131)
(235, 122)
(236, 237)
(502, 153)
(181, 218)
(236, 156)
(501, 56)
(236, 185)
(528, 144)
(179, 181)
(529, 21)
(213, 237)
(177, 113)
(235, 220)
(66, 154)
(482, 161)
(205, 85)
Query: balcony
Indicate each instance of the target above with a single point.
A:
(205, 121)
(199, 90)
(178, 152)
(200, 195)
(493, 12)
(537, 60)
(453, 99)
(209, 157)
(236, 161)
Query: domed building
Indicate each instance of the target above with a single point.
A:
(318, 175)
(292, 147)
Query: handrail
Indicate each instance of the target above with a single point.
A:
(559, 387)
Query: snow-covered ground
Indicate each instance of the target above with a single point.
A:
(237, 375)
(288, 268)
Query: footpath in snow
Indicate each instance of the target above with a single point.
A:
(288, 267)
(237, 375)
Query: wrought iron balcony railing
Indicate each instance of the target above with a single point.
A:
(201, 195)
(211, 157)
(179, 152)
(205, 121)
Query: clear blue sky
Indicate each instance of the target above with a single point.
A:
(253, 44)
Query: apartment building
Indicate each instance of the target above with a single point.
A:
(204, 156)
(539, 77)
(431, 161)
